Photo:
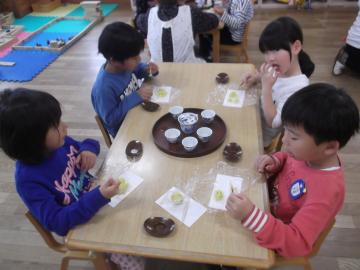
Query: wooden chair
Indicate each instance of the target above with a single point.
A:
(275, 145)
(241, 49)
(97, 259)
(103, 130)
(304, 261)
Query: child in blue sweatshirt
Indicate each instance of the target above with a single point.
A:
(118, 86)
(51, 168)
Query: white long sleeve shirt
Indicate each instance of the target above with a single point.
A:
(282, 90)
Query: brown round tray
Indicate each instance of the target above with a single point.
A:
(176, 149)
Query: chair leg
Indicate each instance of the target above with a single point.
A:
(64, 263)
(101, 263)
(307, 266)
(246, 57)
(239, 56)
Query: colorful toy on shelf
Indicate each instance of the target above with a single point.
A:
(92, 9)
(57, 43)
(6, 19)
(8, 34)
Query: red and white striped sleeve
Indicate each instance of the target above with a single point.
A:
(256, 220)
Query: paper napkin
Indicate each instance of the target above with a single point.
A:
(188, 212)
(225, 185)
(161, 94)
(234, 98)
(133, 182)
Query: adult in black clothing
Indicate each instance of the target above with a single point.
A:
(168, 9)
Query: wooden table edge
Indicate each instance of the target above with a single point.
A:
(174, 255)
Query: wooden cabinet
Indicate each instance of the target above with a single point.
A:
(45, 5)
(20, 7)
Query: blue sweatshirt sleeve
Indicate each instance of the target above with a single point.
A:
(57, 217)
(86, 145)
(141, 71)
(111, 111)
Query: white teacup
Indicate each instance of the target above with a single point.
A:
(175, 111)
(208, 115)
(189, 143)
(172, 135)
(204, 134)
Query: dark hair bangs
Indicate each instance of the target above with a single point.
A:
(273, 38)
(311, 120)
(325, 112)
(119, 41)
(131, 46)
(25, 118)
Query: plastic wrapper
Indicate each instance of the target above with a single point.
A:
(200, 185)
(174, 94)
(112, 168)
(217, 95)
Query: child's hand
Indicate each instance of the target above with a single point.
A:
(268, 76)
(239, 206)
(153, 69)
(218, 10)
(145, 92)
(266, 164)
(109, 188)
(250, 78)
(86, 160)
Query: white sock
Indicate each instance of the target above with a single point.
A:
(338, 68)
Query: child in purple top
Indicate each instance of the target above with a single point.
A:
(51, 172)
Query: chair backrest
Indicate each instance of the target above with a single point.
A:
(245, 36)
(321, 238)
(241, 48)
(103, 130)
(304, 261)
(46, 235)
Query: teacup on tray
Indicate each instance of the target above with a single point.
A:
(208, 116)
(189, 143)
(172, 135)
(175, 111)
(204, 134)
(188, 122)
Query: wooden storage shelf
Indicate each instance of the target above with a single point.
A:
(20, 7)
(45, 5)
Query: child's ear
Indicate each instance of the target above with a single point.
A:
(331, 148)
(297, 47)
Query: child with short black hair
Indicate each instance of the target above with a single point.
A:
(307, 187)
(286, 70)
(51, 173)
(118, 86)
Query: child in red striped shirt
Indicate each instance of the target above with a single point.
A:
(306, 187)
